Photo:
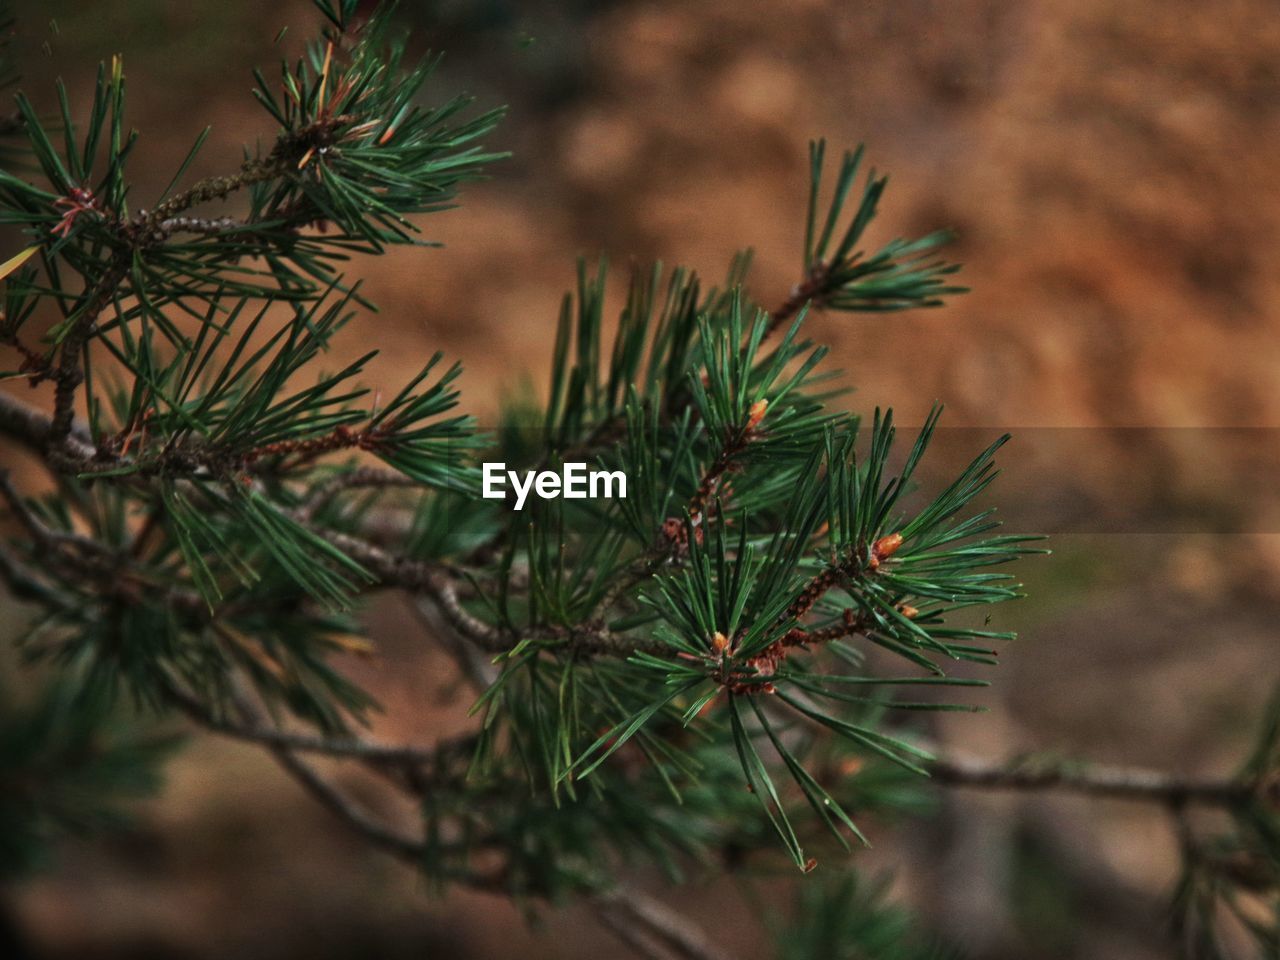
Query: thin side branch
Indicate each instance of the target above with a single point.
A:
(1095, 779)
(360, 478)
(642, 921)
(636, 917)
(68, 374)
(355, 748)
(378, 834)
(437, 583)
(808, 291)
(401, 845)
(471, 662)
(32, 428)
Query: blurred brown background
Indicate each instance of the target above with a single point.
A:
(1110, 171)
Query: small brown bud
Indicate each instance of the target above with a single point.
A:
(886, 546)
(719, 642)
(908, 611)
(810, 865)
(756, 413)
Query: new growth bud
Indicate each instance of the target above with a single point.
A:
(887, 546)
(884, 548)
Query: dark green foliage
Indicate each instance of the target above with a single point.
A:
(205, 536)
(393, 157)
(846, 917)
(66, 766)
(903, 274)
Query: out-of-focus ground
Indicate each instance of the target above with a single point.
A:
(1110, 170)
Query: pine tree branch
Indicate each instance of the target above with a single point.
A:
(1071, 776)
(36, 366)
(329, 796)
(630, 933)
(479, 672)
(49, 539)
(68, 373)
(671, 540)
(436, 583)
(281, 161)
(850, 569)
(100, 563)
(147, 229)
(32, 427)
(610, 430)
(359, 478)
(356, 748)
(1093, 779)
(807, 292)
(22, 582)
(202, 226)
(653, 928)
(638, 918)
(432, 581)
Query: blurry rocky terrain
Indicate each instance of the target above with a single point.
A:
(1110, 172)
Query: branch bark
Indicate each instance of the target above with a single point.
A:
(638, 919)
(353, 747)
(330, 797)
(1133, 783)
(650, 926)
(32, 428)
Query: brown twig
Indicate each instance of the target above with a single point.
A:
(650, 926)
(352, 747)
(22, 582)
(401, 845)
(68, 373)
(361, 477)
(38, 530)
(808, 291)
(32, 428)
(378, 834)
(1096, 779)
(631, 913)
(472, 663)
